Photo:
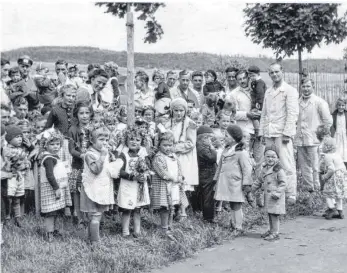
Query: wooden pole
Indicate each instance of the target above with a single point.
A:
(37, 189)
(130, 66)
(300, 71)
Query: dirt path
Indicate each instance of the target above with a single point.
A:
(307, 244)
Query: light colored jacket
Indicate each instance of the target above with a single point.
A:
(280, 111)
(242, 98)
(312, 113)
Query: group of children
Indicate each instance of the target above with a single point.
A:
(90, 162)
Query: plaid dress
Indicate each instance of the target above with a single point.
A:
(159, 194)
(49, 202)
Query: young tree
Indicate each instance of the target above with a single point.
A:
(287, 28)
(146, 13)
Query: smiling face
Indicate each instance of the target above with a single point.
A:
(242, 80)
(16, 77)
(83, 115)
(271, 158)
(4, 71)
(98, 83)
(5, 117)
(178, 113)
(53, 146)
(148, 115)
(307, 88)
(231, 78)
(224, 122)
(341, 107)
(134, 143)
(276, 73)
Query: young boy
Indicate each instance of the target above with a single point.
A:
(16, 86)
(212, 85)
(258, 88)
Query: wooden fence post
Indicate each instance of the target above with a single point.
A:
(37, 189)
(130, 66)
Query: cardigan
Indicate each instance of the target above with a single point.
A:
(61, 118)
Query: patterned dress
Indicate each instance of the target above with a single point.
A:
(163, 166)
(49, 203)
(341, 136)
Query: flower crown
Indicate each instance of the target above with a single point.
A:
(48, 135)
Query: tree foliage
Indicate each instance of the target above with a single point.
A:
(287, 28)
(146, 13)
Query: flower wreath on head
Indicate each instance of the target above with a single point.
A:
(48, 135)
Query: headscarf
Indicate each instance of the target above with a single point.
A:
(177, 103)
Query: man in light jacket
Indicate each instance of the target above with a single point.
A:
(313, 111)
(278, 124)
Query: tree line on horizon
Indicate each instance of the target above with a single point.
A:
(190, 60)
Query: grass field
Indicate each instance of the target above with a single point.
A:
(25, 250)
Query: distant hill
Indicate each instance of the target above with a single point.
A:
(191, 60)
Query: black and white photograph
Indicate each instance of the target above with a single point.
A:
(179, 136)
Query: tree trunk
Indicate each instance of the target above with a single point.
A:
(130, 66)
(300, 70)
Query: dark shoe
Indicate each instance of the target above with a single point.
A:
(272, 237)
(136, 235)
(325, 213)
(17, 222)
(264, 235)
(56, 233)
(341, 216)
(330, 214)
(238, 232)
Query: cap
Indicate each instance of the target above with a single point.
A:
(253, 69)
(25, 59)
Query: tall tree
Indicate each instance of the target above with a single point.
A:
(287, 28)
(154, 32)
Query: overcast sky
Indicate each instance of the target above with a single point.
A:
(214, 27)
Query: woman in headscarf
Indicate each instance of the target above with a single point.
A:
(184, 130)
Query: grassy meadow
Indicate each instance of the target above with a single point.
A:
(26, 250)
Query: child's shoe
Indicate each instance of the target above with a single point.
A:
(56, 233)
(266, 234)
(341, 216)
(17, 222)
(330, 214)
(272, 237)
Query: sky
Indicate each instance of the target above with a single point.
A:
(204, 26)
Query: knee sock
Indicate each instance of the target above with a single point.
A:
(275, 223)
(238, 218)
(94, 227)
(21, 205)
(125, 223)
(164, 218)
(16, 207)
(9, 201)
(219, 206)
(339, 203)
(49, 223)
(270, 223)
(137, 221)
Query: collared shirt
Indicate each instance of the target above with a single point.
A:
(280, 111)
(188, 94)
(312, 112)
(144, 99)
(228, 91)
(242, 98)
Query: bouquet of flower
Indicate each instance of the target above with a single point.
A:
(142, 173)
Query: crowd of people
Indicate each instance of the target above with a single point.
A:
(195, 142)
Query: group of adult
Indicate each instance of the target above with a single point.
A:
(284, 120)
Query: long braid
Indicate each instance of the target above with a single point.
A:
(183, 120)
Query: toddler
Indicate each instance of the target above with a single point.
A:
(273, 179)
(212, 84)
(54, 188)
(162, 90)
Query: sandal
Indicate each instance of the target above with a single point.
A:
(264, 235)
(272, 237)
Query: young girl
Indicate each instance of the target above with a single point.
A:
(54, 187)
(167, 182)
(78, 145)
(234, 176)
(148, 115)
(133, 189)
(332, 176)
(273, 179)
(338, 129)
(97, 185)
(197, 118)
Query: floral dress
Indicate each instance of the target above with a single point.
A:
(341, 136)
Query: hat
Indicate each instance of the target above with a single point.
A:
(212, 72)
(4, 61)
(41, 66)
(271, 147)
(204, 130)
(235, 132)
(178, 102)
(253, 69)
(12, 132)
(25, 59)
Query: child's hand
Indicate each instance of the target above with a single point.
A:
(104, 151)
(57, 194)
(26, 142)
(141, 178)
(247, 188)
